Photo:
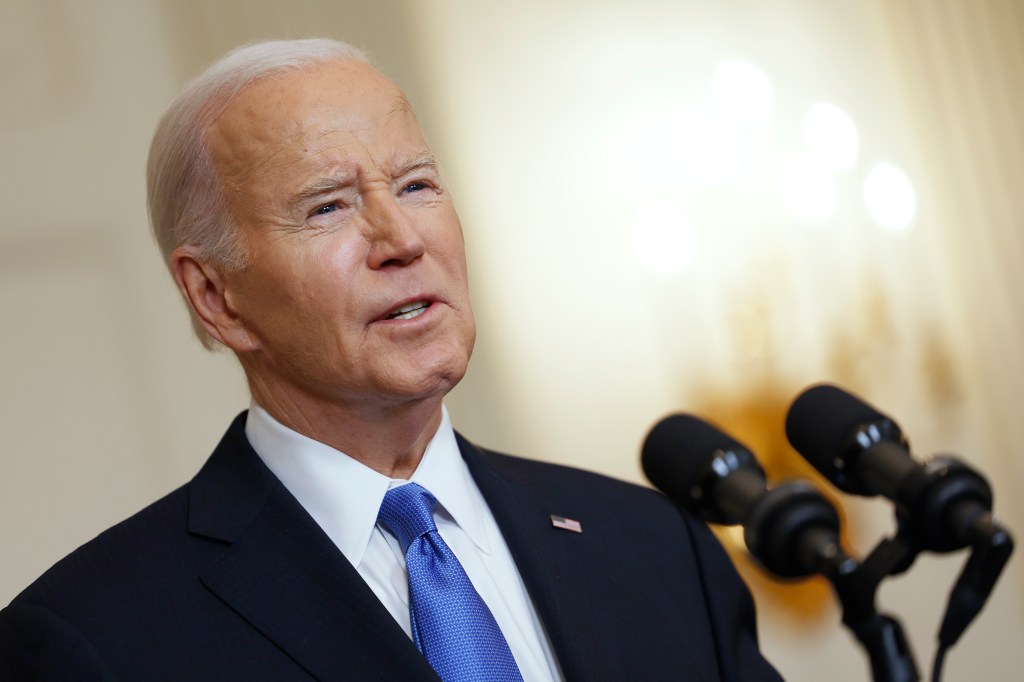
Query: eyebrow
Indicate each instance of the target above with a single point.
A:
(327, 184)
(425, 160)
(319, 187)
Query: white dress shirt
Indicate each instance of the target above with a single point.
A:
(343, 496)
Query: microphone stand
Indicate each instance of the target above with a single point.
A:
(880, 634)
(855, 585)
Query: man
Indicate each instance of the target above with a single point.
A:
(307, 226)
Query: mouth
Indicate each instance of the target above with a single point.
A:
(409, 311)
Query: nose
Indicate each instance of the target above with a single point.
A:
(392, 233)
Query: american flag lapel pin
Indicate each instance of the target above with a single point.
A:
(566, 524)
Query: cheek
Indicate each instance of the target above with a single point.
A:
(339, 259)
(459, 268)
(450, 248)
(280, 286)
(320, 270)
(326, 280)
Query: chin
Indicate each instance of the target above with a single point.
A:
(439, 378)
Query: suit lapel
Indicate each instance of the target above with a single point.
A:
(609, 615)
(548, 559)
(283, 575)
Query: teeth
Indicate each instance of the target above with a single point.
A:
(407, 312)
(411, 314)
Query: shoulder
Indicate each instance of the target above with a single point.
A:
(87, 596)
(154, 556)
(155, 547)
(117, 559)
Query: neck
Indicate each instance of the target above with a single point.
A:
(390, 438)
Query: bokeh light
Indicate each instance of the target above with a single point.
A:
(890, 197)
(831, 136)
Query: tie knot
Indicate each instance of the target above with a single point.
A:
(408, 512)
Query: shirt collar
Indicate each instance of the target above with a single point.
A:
(343, 495)
(444, 473)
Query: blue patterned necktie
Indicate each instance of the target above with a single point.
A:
(451, 625)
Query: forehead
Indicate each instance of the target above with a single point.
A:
(344, 110)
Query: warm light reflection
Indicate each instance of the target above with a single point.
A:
(743, 94)
(668, 146)
(890, 197)
(749, 331)
(663, 239)
(808, 190)
(831, 136)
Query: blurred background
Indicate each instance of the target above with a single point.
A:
(677, 205)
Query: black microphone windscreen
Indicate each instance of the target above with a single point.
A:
(677, 452)
(821, 421)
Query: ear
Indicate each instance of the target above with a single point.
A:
(204, 287)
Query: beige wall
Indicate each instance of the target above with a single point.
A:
(107, 402)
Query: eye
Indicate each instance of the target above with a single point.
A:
(415, 187)
(324, 210)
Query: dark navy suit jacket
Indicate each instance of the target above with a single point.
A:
(228, 578)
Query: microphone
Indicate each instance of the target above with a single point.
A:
(792, 530)
(943, 505)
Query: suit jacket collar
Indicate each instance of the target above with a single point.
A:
(281, 573)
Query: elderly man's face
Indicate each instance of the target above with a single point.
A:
(356, 286)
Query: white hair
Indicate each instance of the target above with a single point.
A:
(186, 201)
